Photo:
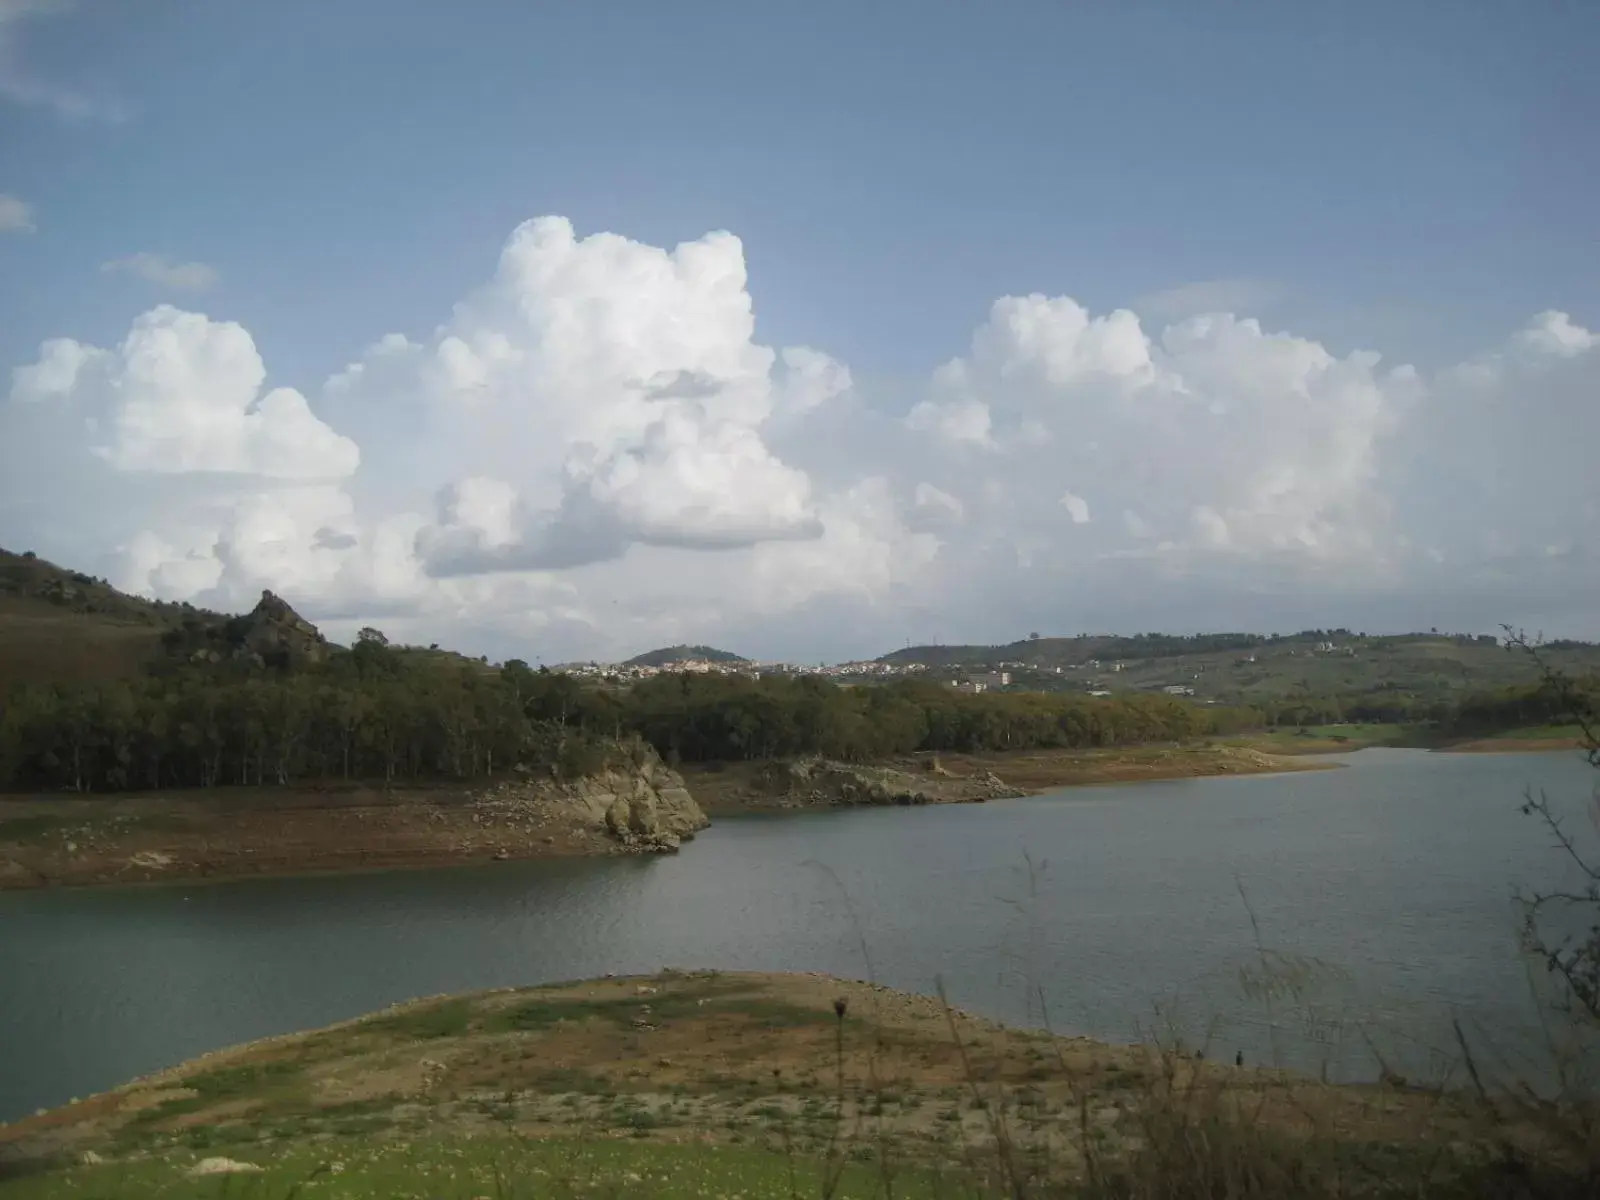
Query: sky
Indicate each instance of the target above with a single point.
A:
(562, 331)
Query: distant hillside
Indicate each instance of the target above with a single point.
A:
(1058, 651)
(676, 654)
(62, 626)
(1262, 669)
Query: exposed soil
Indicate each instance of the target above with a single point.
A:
(234, 832)
(705, 1056)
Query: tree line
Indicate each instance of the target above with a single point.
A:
(1554, 700)
(382, 713)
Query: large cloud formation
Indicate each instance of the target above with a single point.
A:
(593, 453)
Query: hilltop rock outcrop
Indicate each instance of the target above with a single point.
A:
(270, 634)
(274, 630)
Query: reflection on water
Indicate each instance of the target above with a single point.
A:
(1381, 898)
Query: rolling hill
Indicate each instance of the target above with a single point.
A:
(59, 626)
(676, 654)
(62, 626)
(1258, 668)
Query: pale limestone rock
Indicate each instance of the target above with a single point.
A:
(223, 1166)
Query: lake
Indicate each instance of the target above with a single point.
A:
(1116, 912)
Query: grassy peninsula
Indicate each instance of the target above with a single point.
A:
(699, 1084)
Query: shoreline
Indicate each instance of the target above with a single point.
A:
(72, 841)
(730, 789)
(1509, 745)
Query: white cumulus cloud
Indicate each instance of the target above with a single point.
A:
(617, 390)
(593, 453)
(182, 394)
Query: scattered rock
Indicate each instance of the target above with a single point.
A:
(804, 782)
(223, 1166)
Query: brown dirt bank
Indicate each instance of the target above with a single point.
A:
(715, 1058)
(238, 832)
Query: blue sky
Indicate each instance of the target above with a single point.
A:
(1409, 178)
(891, 167)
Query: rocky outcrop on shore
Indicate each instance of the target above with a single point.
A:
(820, 782)
(643, 808)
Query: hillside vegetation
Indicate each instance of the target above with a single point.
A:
(61, 626)
(1315, 677)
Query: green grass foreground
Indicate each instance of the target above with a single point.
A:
(465, 1168)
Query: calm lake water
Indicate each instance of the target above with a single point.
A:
(1122, 909)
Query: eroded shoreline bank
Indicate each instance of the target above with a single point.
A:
(235, 833)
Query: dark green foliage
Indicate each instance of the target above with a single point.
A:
(374, 713)
(1552, 701)
(706, 718)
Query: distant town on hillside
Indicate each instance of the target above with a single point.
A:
(1215, 668)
